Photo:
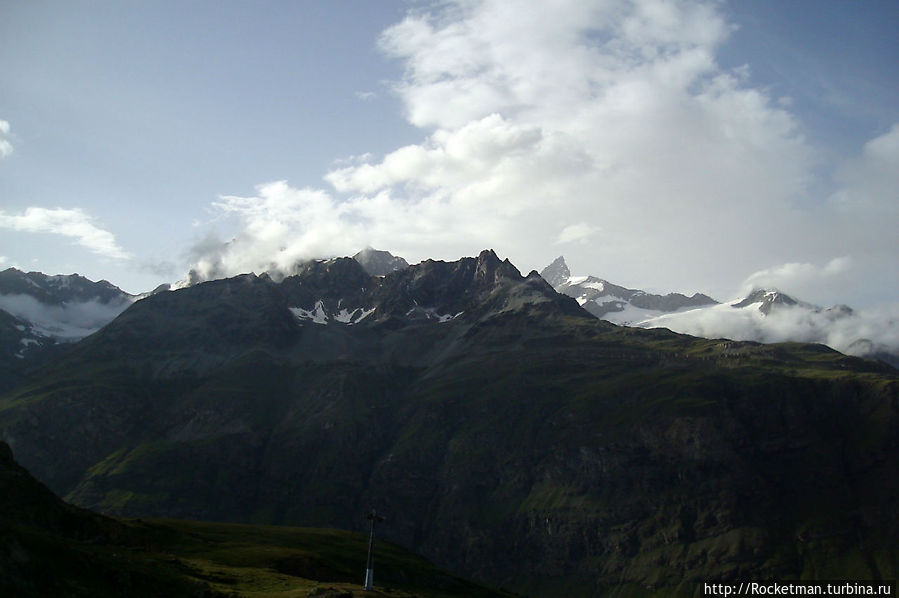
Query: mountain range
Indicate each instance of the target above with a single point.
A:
(38, 311)
(508, 434)
(614, 303)
(763, 315)
(39, 314)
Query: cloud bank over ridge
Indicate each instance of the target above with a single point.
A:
(858, 332)
(610, 125)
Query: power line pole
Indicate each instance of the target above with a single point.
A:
(370, 564)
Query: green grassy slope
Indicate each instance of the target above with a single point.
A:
(50, 548)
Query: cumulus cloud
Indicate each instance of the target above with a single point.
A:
(576, 232)
(279, 226)
(544, 119)
(614, 112)
(5, 145)
(480, 154)
(73, 223)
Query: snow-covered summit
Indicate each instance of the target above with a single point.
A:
(768, 300)
(615, 303)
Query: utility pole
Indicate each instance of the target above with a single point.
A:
(370, 564)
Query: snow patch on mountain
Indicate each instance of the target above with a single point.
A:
(317, 314)
(26, 344)
(320, 314)
(346, 316)
(418, 312)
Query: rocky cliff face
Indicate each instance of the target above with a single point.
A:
(505, 432)
(379, 263)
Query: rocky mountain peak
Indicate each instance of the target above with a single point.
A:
(557, 272)
(380, 263)
(490, 268)
(770, 299)
(615, 303)
(340, 280)
(437, 288)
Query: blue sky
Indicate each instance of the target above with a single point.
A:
(670, 146)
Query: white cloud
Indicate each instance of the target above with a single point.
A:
(859, 332)
(869, 181)
(608, 112)
(577, 232)
(279, 226)
(863, 214)
(67, 222)
(800, 279)
(470, 164)
(5, 145)
(538, 118)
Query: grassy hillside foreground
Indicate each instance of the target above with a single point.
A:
(50, 548)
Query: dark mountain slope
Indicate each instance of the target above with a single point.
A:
(50, 548)
(205, 325)
(507, 433)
